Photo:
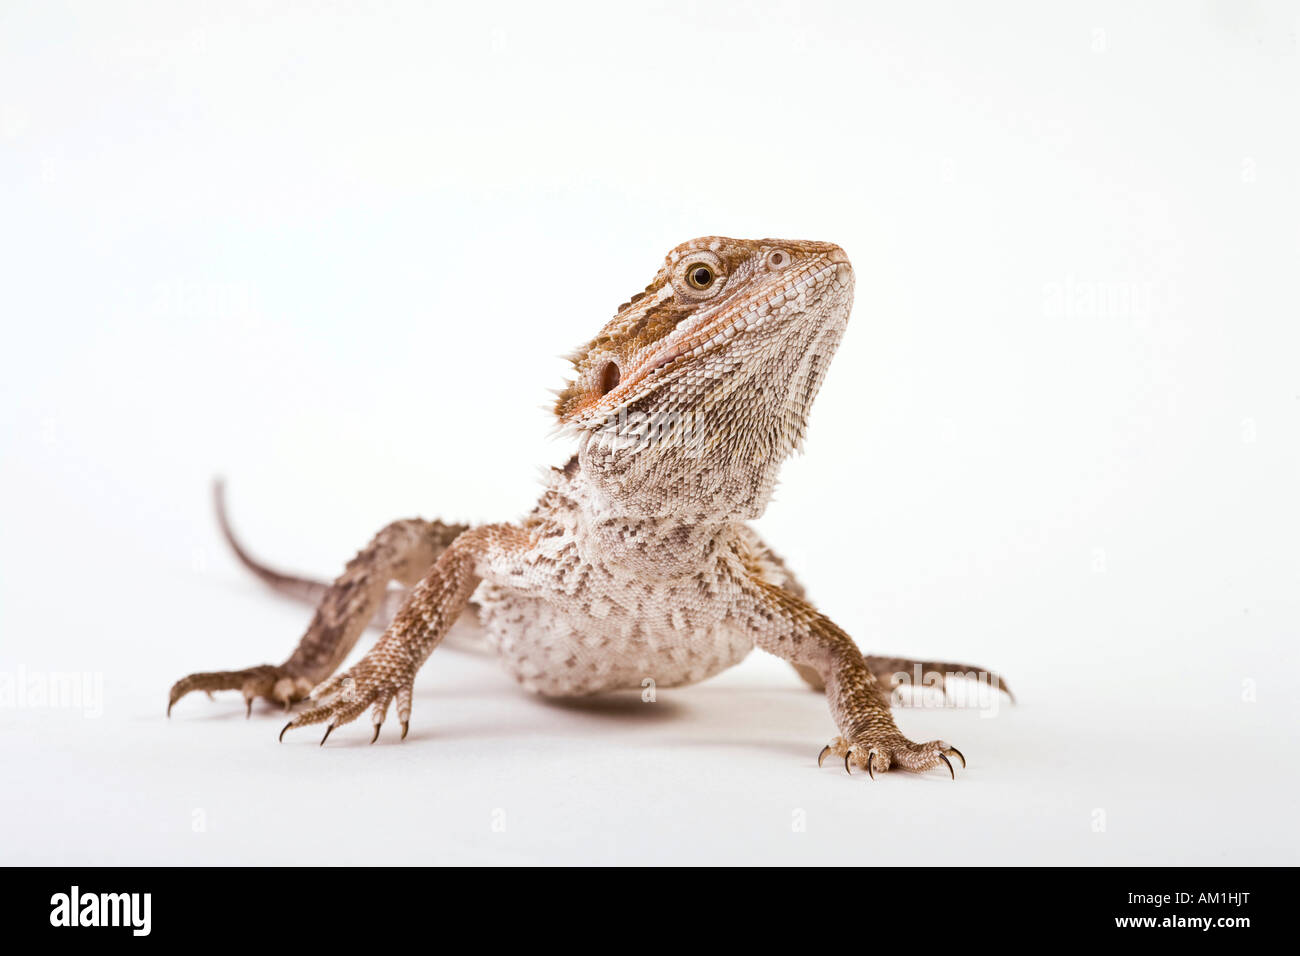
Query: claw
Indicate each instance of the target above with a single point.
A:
(283, 729)
(871, 757)
(822, 756)
(406, 725)
(1002, 686)
(959, 754)
(169, 707)
(328, 731)
(287, 704)
(949, 763)
(376, 736)
(847, 769)
(248, 707)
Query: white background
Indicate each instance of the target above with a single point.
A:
(332, 251)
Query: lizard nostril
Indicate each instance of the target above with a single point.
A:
(609, 378)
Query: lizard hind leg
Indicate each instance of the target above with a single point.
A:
(896, 672)
(400, 552)
(893, 672)
(810, 677)
(266, 680)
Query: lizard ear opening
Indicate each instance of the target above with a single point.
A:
(609, 377)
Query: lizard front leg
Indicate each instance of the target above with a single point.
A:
(402, 551)
(791, 628)
(886, 669)
(386, 674)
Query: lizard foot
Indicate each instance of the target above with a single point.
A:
(342, 698)
(891, 750)
(275, 682)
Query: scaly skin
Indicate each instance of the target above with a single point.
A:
(637, 562)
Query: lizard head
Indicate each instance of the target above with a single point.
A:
(691, 397)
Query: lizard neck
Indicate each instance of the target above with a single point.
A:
(662, 546)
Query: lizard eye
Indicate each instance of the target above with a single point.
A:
(778, 259)
(609, 378)
(699, 276)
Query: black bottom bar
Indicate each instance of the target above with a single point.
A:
(326, 907)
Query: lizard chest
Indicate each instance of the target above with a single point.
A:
(579, 614)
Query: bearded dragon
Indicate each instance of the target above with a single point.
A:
(636, 564)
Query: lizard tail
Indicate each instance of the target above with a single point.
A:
(308, 590)
(301, 589)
